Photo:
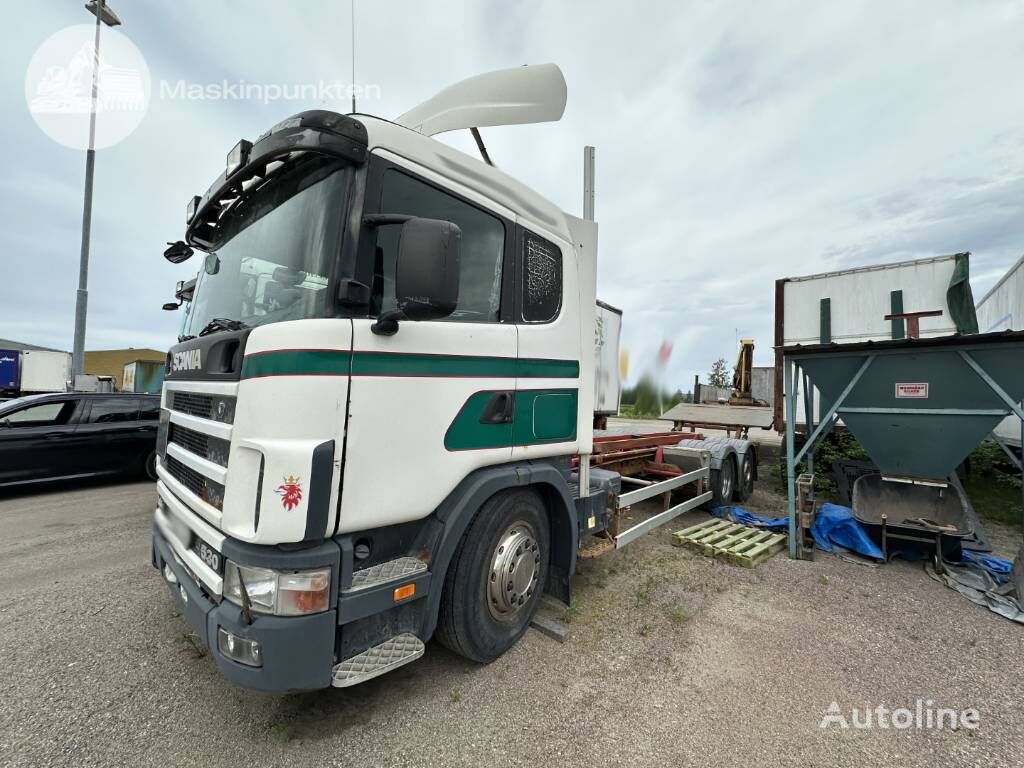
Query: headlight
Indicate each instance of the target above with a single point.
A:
(282, 593)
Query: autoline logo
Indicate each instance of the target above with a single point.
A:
(189, 360)
(924, 716)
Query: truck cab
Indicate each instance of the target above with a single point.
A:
(369, 421)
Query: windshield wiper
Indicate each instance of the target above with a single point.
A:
(222, 324)
(185, 338)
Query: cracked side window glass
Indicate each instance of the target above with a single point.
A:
(542, 279)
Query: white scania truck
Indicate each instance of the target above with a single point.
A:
(377, 425)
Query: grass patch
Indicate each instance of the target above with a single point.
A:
(675, 615)
(280, 733)
(571, 612)
(642, 598)
(194, 643)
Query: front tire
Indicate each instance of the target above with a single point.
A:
(496, 577)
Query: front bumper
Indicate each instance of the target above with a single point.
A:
(298, 651)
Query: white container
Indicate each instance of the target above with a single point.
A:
(43, 371)
(1002, 309)
(858, 301)
(607, 382)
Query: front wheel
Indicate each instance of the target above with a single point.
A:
(496, 577)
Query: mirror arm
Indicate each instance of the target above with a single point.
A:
(373, 220)
(387, 323)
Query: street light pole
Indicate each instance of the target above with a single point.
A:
(106, 16)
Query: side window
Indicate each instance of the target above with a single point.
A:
(42, 415)
(114, 410)
(542, 279)
(483, 245)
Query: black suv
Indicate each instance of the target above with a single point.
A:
(77, 434)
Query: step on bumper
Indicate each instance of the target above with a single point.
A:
(378, 660)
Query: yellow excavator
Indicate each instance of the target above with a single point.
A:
(741, 376)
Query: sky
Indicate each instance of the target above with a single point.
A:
(736, 143)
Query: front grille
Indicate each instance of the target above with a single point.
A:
(187, 476)
(190, 440)
(192, 404)
(207, 490)
(208, 447)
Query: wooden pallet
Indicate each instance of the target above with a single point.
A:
(731, 542)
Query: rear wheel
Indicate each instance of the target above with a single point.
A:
(496, 577)
(745, 482)
(723, 483)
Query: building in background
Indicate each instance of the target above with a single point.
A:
(112, 363)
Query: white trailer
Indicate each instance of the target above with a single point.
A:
(607, 381)
(1002, 309)
(44, 371)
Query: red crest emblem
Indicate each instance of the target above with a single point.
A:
(290, 492)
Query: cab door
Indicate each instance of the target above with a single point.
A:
(550, 411)
(433, 402)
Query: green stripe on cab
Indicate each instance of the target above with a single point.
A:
(327, 362)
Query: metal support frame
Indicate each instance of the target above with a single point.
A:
(815, 435)
(1015, 409)
(656, 489)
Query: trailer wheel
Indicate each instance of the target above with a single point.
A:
(496, 577)
(723, 483)
(745, 483)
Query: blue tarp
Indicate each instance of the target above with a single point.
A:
(743, 517)
(835, 525)
(998, 568)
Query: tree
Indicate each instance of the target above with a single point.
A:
(719, 376)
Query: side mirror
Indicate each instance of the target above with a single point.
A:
(178, 252)
(426, 273)
(170, 306)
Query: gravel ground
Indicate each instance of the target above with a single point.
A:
(672, 659)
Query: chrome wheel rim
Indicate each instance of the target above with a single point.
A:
(748, 473)
(726, 482)
(515, 568)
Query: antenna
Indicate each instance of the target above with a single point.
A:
(352, 5)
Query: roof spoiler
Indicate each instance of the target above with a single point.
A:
(529, 94)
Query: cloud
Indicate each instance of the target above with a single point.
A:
(736, 143)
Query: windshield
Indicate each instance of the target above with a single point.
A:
(274, 251)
